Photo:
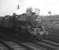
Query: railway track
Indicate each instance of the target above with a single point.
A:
(18, 45)
(48, 44)
(35, 45)
(15, 45)
(4, 44)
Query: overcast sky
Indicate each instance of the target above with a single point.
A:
(10, 6)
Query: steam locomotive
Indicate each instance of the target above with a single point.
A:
(18, 27)
(12, 29)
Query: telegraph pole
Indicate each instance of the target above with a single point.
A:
(18, 6)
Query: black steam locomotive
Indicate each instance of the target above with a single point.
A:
(14, 29)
